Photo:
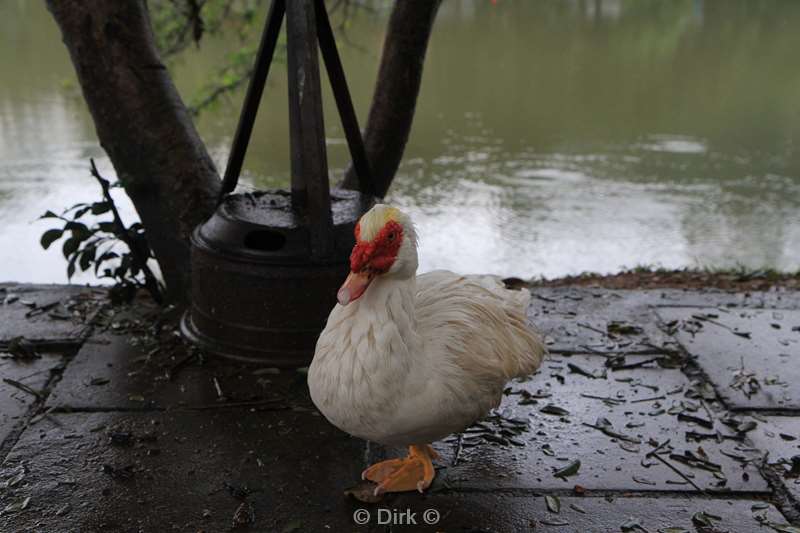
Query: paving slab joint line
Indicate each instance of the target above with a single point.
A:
(690, 362)
(616, 493)
(782, 497)
(35, 408)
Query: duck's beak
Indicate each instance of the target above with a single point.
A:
(354, 286)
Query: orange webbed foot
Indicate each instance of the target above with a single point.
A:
(380, 471)
(413, 472)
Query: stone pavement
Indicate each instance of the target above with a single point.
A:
(657, 411)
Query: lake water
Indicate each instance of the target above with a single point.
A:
(551, 137)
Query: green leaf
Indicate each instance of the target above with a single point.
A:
(631, 526)
(71, 266)
(77, 228)
(98, 208)
(50, 236)
(80, 212)
(569, 470)
(48, 214)
(76, 206)
(704, 519)
(551, 409)
(70, 247)
(622, 328)
(108, 227)
(784, 528)
(87, 257)
(553, 504)
(577, 508)
(102, 259)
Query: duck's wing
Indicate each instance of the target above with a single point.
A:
(478, 324)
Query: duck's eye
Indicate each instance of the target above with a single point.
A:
(392, 236)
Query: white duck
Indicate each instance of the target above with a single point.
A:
(407, 360)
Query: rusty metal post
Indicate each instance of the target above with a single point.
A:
(347, 114)
(310, 182)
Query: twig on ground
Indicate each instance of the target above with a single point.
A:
(631, 366)
(654, 453)
(173, 371)
(592, 328)
(24, 388)
(608, 399)
(652, 399)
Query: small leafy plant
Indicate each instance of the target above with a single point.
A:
(97, 245)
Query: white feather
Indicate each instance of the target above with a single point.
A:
(418, 358)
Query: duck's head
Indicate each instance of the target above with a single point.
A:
(386, 246)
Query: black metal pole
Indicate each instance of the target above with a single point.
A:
(252, 99)
(333, 64)
(310, 181)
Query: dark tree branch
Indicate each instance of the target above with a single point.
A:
(396, 90)
(142, 124)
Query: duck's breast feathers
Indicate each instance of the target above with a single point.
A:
(478, 324)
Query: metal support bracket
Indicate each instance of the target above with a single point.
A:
(308, 31)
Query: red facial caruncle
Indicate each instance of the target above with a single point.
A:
(379, 254)
(369, 259)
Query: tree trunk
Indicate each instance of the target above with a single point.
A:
(396, 90)
(142, 124)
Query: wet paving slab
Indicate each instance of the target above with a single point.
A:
(114, 372)
(22, 383)
(179, 471)
(597, 320)
(45, 315)
(585, 319)
(611, 423)
(750, 355)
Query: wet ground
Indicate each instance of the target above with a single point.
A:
(658, 411)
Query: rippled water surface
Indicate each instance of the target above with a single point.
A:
(551, 137)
